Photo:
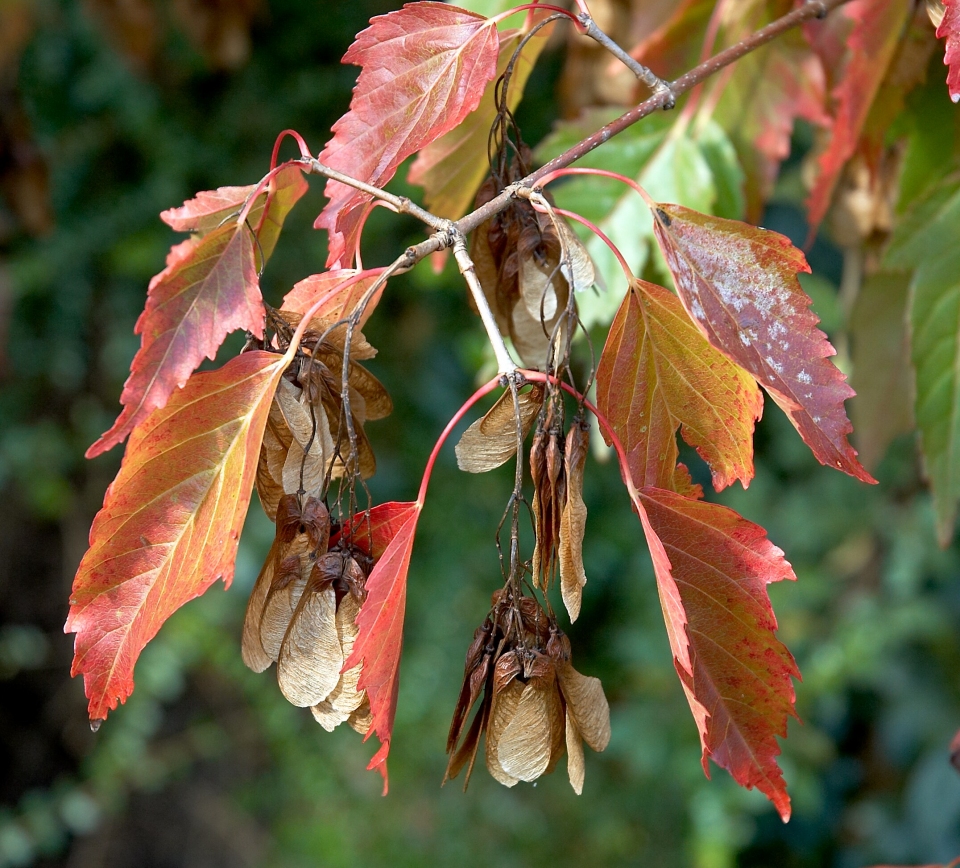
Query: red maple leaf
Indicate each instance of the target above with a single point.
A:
(739, 284)
(949, 30)
(171, 520)
(209, 288)
(712, 568)
(386, 532)
(425, 68)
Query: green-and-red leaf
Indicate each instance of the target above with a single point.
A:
(875, 30)
(739, 284)
(658, 373)
(768, 90)
(425, 68)
(949, 31)
(387, 533)
(452, 168)
(712, 569)
(171, 520)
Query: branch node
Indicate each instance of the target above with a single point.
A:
(645, 75)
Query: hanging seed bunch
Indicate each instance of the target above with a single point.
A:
(529, 262)
(534, 705)
(302, 613)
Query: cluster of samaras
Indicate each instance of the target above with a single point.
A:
(534, 704)
(302, 613)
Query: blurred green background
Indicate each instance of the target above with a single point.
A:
(113, 110)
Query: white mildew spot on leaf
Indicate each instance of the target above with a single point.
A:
(804, 377)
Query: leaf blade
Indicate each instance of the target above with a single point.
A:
(209, 288)
(170, 522)
(739, 284)
(658, 374)
(949, 31)
(452, 167)
(387, 533)
(424, 69)
(712, 568)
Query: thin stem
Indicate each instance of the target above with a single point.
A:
(400, 204)
(645, 75)
(596, 230)
(304, 150)
(534, 7)
(505, 363)
(539, 377)
(485, 389)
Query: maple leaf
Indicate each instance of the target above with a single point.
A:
(341, 297)
(657, 373)
(875, 30)
(452, 168)
(212, 208)
(926, 241)
(209, 288)
(712, 568)
(386, 533)
(424, 69)
(170, 521)
(739, 284)
(949, 31)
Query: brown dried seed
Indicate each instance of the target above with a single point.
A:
(346, 697)
(587, 704)
(289, 580)
(502, 710)
(573, 520)
(362, 719)
(308, 667)
(524, 746)
(576, 766)
(492, 440)
(311, 448)
(578, 267)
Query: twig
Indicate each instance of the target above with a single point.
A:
(659, 100)
(645, 75)
(449, 233)
(505, 364)
(400, 204)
